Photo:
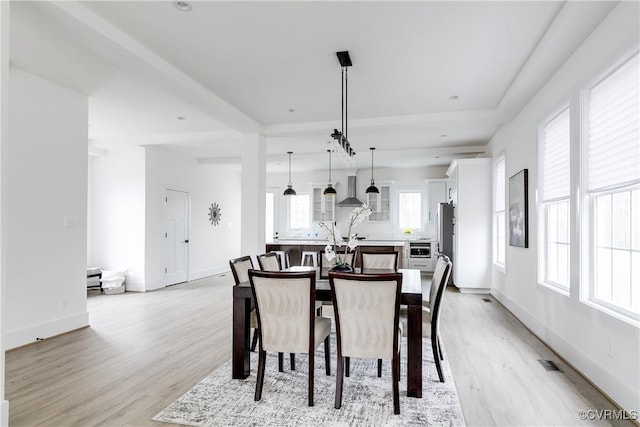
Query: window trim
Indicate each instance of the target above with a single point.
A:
(543, 205)
(300, 230)
(423, 198)
(502, 267)
(587, 201)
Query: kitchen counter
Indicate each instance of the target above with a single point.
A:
(365, 242)
(294, 247)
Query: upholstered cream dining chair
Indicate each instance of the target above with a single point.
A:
(240, 269)
(269, 262)
(379, 261)
(366, 308)
(287, 319)
(436, 295)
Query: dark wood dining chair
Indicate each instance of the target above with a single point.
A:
(287, 319)
(269, 262)
(439, 281)
(378, 261)
(240, 269)
(366, 306)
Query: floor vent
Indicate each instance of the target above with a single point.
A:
(549, 365)
(486, 300)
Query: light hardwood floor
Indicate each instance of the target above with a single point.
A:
(144, 350)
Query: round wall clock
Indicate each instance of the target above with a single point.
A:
(214, 214)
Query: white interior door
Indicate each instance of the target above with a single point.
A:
(176, 237)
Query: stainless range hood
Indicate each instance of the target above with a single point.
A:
(351, 200)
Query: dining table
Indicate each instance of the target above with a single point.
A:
(411, 296)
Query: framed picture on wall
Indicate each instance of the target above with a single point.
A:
(519, 210)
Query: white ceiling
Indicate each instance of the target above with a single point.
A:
(234, 67)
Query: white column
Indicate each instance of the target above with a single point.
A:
(4, 86)
(254, 176)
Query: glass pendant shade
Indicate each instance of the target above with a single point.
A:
(372, 188)
(289, 191)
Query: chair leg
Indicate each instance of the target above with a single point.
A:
(292, 361)
(280, 362)
(399, 359)
(254, 342)
(327, 356)
(379, 368)
(440, 349)
(347, 361)
(262, 357)
(396, 387)
(311, 370)
(434, 347)
(339, 380)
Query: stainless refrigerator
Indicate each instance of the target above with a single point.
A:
(444, 230)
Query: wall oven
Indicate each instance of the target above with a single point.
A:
(420, 255)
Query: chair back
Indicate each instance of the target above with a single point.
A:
(325, 264)
(240, 268)
(285, 307)
(367, 313)
(379, 261)
(438, 286)
(269, 262)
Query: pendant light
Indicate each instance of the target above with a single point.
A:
(372, 188)
(289, 191)
(329, 189)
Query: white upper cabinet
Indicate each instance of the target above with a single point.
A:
(381, 204)
(324, 207)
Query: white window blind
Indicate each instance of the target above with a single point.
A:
(613, 135)
(500, 185)
(556, 157)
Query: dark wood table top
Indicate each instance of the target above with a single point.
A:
(411, 285)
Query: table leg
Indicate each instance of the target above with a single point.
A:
(414, 356)
(241, 333)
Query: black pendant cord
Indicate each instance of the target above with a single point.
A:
(346, 105)
(342, 137)
(329, 151)
(289, 153)
(372, 164)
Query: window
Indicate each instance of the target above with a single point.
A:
(299, 211)
(554, 204)
(499, 225)
(612, 189)
(410, 210)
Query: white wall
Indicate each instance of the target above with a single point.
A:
(4, 134)
(402, 178)
(44, 181)
(210, 248)
(116, 207)
(603, 348)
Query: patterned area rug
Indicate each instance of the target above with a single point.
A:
(219, 400)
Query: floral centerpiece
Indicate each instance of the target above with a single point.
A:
(332, 250)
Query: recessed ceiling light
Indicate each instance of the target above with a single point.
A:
(436, 157)
(453, 97)
(291, 110)
(444, 135)
(181, 118)
(183, 6)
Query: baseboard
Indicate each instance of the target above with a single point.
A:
(134, 286)
(152, 285)
(20, 337)
(618, 393)
(208, 272)
(4, 413)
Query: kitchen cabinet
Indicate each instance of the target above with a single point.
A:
(324, 207)
(470, 182)
(381, 204)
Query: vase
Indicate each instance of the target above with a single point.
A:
(341, 268)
